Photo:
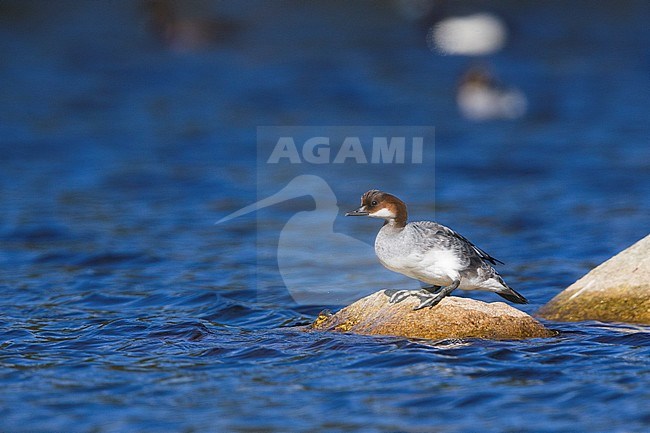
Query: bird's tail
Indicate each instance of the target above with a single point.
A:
(512, 296)
(509, 293)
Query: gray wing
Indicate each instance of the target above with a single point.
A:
(438, 236)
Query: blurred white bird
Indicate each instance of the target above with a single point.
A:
(481, 97)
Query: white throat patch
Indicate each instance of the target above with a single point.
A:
(382, 213)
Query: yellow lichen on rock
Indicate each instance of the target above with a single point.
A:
(617, 290)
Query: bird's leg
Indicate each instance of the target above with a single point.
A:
(431, 289)
(431, 299)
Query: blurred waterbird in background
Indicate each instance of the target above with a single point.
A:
(480, 96)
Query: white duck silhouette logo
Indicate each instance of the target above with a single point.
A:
(319, 266)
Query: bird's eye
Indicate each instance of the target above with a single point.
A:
(373, 203)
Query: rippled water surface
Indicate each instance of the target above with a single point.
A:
(125, 308)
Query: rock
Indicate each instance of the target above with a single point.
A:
(453, 317)
(617, 290)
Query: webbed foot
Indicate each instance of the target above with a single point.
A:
(428, 299)
(400, 295)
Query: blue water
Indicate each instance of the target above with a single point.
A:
(124, 308)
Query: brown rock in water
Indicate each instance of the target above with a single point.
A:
(453, 318)
(617, 290)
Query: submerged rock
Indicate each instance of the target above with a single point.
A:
(617, 290)
(453, 317)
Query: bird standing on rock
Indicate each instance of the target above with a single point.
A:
(430, 252)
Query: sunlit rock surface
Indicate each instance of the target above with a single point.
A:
(617, 290)
(453, 318)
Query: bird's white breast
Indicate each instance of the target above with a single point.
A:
(400, 251)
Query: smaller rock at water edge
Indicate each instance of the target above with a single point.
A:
(453, 317)
(617, 290)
